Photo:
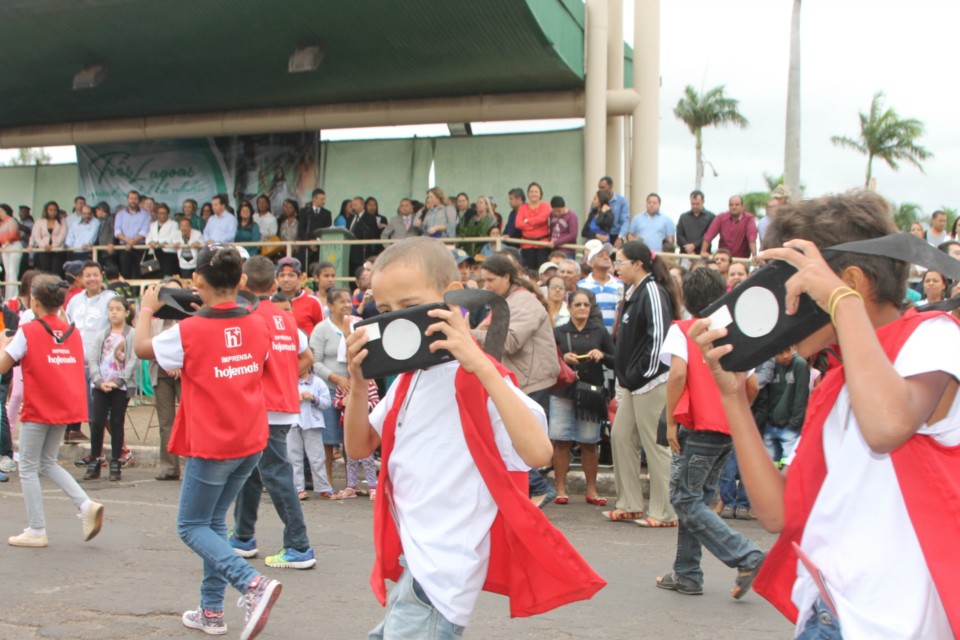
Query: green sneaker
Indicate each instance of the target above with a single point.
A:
(292, 559)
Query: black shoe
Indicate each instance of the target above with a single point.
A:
(93, 472)
(84, 461)
(114, 470)
(163, 477)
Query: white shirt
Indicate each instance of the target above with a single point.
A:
(442, 508)
(675, 344)
(279, 417)
(311, 413)
(859, 532)
(267, 223)
(187, 255)
(90, 315)
(166, 234)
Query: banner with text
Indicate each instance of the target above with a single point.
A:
(279, 166)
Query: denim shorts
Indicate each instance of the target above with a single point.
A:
(333, 430)
(565, 427)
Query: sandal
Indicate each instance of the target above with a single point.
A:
(684, 586)
(330, 495)
(348, 493)
(745, 580)
(561, 500)
(303, 495)
(619, 515)
(373, 495)
(653, 523)
(598, 501)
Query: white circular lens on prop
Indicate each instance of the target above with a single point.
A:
(756, 312)
(401, 339)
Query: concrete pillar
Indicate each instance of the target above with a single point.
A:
(615, 81)
(595, 117)
(646, 117)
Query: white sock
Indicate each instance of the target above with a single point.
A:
(37, 532)
(85, 506)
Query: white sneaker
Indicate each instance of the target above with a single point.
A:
(92, 520)
(7, 465)
(28, 539)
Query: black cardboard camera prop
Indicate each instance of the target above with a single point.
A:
(753, 313)
(178, 305)
(396, 342)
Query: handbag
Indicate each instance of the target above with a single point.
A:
(589, 401)
(149, 264)
(567, 376)
(270, 251)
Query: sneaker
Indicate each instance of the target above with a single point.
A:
(126, 457)
(257, 603)
(92, 520)
(7, 465)
(292, 559)
(28, 539)
(4, 477)
(87, 461)
(742, 513)
(209, 622)
(728, 513)
(244, 548)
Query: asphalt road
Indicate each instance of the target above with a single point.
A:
(136, 578)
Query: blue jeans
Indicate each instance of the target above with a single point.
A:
(411, 615)
(537, 484)
(733, 493)
(693, 483)
(276, 473)
(209, 488)
(821, 625)
(780, 441)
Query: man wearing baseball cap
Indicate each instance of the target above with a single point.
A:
(604, 285)
(307, 308)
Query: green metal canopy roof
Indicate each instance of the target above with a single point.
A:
(169, 57)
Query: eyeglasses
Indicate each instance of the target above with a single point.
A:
(620, 263)
(580, 304)
(557, 287)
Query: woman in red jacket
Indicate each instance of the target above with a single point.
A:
(533, 222)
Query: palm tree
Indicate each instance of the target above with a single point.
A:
(906, 214)
(885, 135)
(710, 109)
(791, 153)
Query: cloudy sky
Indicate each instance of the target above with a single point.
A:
(850, 49)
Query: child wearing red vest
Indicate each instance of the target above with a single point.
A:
(50, 354)
(871, 497)
(289, 355)
(699, 436)
(220, 428)
(445, 539)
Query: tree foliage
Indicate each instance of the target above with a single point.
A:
(887, 136)
(29, 156)
(710, 109)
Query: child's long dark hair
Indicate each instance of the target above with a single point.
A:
(658, 267)
(221, 266)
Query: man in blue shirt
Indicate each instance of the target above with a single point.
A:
(83, 234)
(222, 225)
(621, 210)
(606, 288)
(131, 225)
(651, 226)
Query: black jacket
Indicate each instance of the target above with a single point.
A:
(308, 222)
(642, 326)
(593, 336)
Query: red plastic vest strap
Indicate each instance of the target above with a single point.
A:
(531, 562)
(929, 478)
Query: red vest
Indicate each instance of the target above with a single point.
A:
(700, 407)
(308, 311)
(531, 562)
(222, 414)
(929, 478)
(281, 378)
(54, 384)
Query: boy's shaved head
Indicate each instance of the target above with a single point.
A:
(430, 255)
(835, 219)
